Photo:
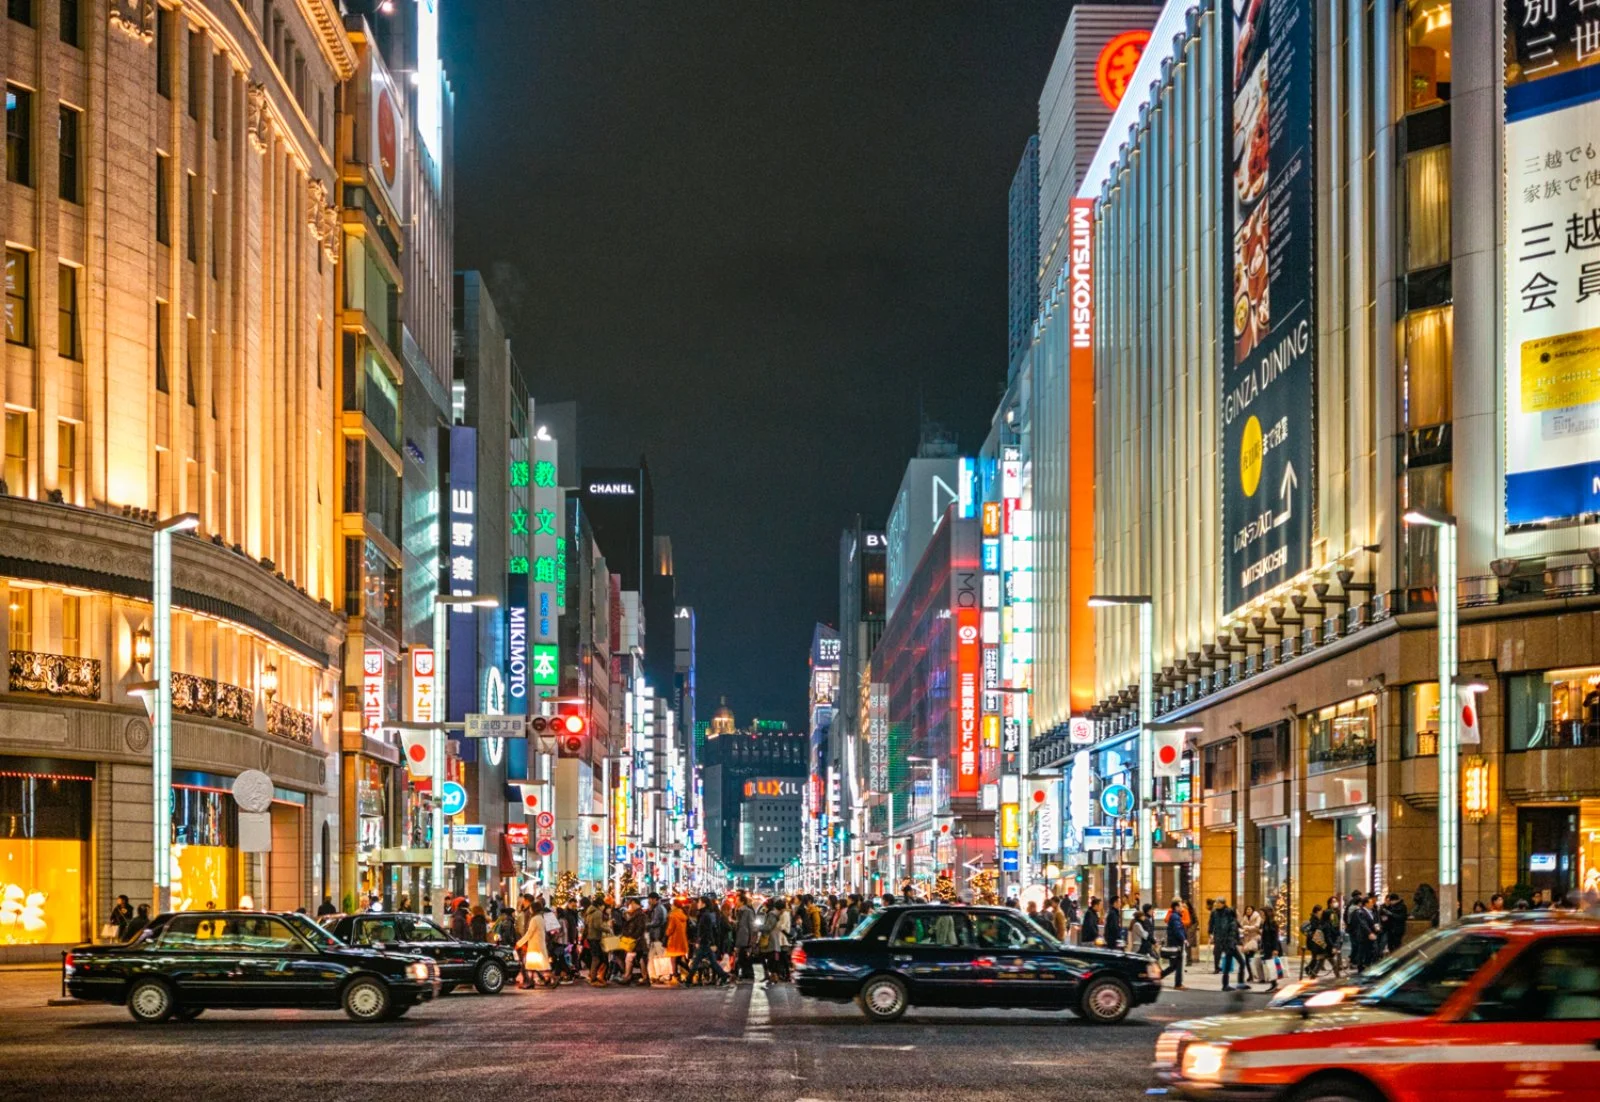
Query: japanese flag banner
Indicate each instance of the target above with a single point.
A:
(1471, 733)
(418, 747)
(530, 797)
(1167, 753)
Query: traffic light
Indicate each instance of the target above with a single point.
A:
(569, 730)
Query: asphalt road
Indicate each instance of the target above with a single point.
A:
(573, 1043)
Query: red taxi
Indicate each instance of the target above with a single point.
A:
(1503, 1008)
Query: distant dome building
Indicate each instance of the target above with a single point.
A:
(722, 721)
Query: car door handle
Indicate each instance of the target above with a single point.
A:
(901, 958)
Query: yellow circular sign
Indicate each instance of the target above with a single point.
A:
(1250, 457)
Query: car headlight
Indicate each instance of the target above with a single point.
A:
(1153, 971)
(1203, 1061)
(418, 971)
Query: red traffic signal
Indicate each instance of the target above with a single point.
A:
(570, 729)
(571, 724)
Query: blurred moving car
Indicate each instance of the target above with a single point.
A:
(483, 964)
(1503, 1007)
(184, 964)
(944, 955)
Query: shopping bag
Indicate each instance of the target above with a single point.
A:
(110, 932)
(626, 944)
(536, 961)
(660, 968)
(611, 943)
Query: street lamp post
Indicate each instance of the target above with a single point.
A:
(1146, 745)
(441, 649)
(1449, 731)
(161, 706)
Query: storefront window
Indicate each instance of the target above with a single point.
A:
(1428, 366)
(1352, 854)
(205, 843)
(44, 851)
(1420, 736)
(1274, 841)
(1553, 710)
(1344, 734)
(1427, 53)
(1547, 849)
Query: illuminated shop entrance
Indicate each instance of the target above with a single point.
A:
(44, 850)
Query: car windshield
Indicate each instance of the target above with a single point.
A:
(1437, 969)
(312, 932)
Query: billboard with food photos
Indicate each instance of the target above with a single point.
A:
(1268, 373)
(1552, 262)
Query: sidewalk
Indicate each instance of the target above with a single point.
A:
(1199, 976)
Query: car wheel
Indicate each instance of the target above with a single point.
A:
(883, 998)
(366, 1000)
(189, 1013)
(1334, 1090)
(491, 978)
(150, 1002)
(1106, 1000)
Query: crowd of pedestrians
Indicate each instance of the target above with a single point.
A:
(652, 941)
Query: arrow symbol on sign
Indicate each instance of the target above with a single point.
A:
(1290, 481)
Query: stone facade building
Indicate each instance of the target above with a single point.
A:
(170, 245)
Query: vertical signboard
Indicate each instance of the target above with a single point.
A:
(545, 525)
(422, 685)
(1268, 402)
(461, 575)
(1080, 453)
(517, 645)
(372, 690)
(1552, 261)
(966, 617)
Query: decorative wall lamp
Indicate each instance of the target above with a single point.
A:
(143, 648)
(269, 681)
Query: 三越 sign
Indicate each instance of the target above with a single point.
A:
(1552, 262)
(1116, 63)
(1268, 375)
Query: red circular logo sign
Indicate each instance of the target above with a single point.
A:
(1116, 63)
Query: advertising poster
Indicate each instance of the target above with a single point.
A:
(1268, 371)
(1552, 262)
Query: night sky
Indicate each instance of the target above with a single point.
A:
(748, 236)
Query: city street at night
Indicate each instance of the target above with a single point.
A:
(576, 1042)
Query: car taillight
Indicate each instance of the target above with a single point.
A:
(66, 963)
(798, 956)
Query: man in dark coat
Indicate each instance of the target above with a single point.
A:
(1090, 931)
(1393, 921)
(1225, 944)
(1113, 927)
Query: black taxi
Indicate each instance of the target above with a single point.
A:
(483, 964)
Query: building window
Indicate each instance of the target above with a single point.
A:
(216, 233)
(71, 28)
(1427, 53)
(1425, 487)
(1217, 764)
(197, 63)
(221, 83)
(20, 11)
(67, 312)
(67, 129)
(1428, 208)
(1269, 754)
(1342, 735)
(1419, 735)
(191, 213)
(191, 359)
(163, 482)
(21, 619)
(1428, 374)
(163, 225)
(19, 135)
(163, 383)
(166, 20)
(16, 476)
(352, 476)
(71, 626)
(67, 460)
(1555, 710)
(19, 305)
